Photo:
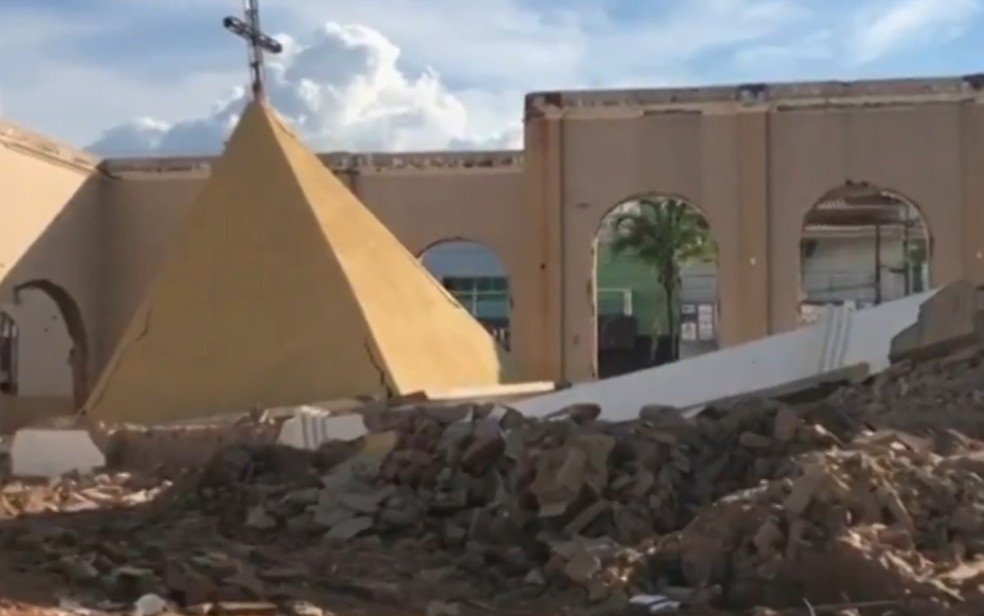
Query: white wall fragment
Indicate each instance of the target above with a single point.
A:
(310, 427)
(41, 452)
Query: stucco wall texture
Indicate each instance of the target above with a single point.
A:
(282, 289)
(753, 159)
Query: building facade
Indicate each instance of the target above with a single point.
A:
(86, 235)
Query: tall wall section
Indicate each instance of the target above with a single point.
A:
(51, 267)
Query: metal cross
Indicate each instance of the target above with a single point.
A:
(258, 42)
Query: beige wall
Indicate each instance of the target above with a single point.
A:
(19, 411)
(43, 344)
(752, 160)
(141, 216)
(754, 164)
(51, 238)
(913, 151)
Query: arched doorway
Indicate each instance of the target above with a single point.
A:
(655, 284)
(861, 245)
(475, 275)
(50, 348)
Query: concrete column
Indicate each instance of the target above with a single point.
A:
(538, 309)
(751, 314)
(719, 201)
(972, 155)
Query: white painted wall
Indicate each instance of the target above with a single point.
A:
(843, 268)
(43, 346)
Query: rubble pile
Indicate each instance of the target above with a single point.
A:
(943, 397)
(167, 449)
(873, 496)
(75, 494)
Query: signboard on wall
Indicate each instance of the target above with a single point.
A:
(697, 322)
(705, 322)
(688, 322)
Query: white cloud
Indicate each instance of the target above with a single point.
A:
(344, 90)
(507, 43)
(885, 27)
(816, 46)
(428, 74)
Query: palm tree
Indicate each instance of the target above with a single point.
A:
(665, 233)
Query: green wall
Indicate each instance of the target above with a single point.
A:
(629, 272)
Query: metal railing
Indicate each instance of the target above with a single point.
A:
(484, 304)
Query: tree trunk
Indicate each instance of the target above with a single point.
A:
(670, 325)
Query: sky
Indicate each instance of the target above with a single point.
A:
(142, 77)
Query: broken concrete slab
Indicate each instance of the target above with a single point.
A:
(349, 528)
(311, 427)
(947, 320)
(842, 340)
(40, 452)
(260, 519)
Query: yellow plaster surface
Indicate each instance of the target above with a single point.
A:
(282, 289)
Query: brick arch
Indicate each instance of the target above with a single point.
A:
(449, 239)
(897, 195)
(641, 197)
(500, 330)
(862, 190)
(602, 214)
(72, 317)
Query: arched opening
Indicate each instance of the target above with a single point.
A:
(861, 245)
(656, 284)
(52, 350)
(475, 275)
(8, 355)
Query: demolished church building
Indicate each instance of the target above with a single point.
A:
(82, 240)
(283, 289)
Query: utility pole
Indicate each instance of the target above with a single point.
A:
(257, 43)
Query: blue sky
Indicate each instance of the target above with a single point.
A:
(136, 76)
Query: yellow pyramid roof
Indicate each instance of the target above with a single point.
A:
(284, 289)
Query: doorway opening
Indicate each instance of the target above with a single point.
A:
(475, 275)
(656, 284)
(861, 246)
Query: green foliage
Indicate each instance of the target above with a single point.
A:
(665, 233)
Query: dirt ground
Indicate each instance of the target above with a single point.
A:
(868, 501)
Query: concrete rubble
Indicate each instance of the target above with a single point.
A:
(867, 498)
(873, 495)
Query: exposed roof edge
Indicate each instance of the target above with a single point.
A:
(23, 140)
(339, 162)
(913, 90)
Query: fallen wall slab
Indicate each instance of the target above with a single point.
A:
(41, 452)
(950, 318)
(167, 449)
(840, 340)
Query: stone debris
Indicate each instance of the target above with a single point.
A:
(149, 605)
(869, 498)
(309, 428)
(654, 604)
